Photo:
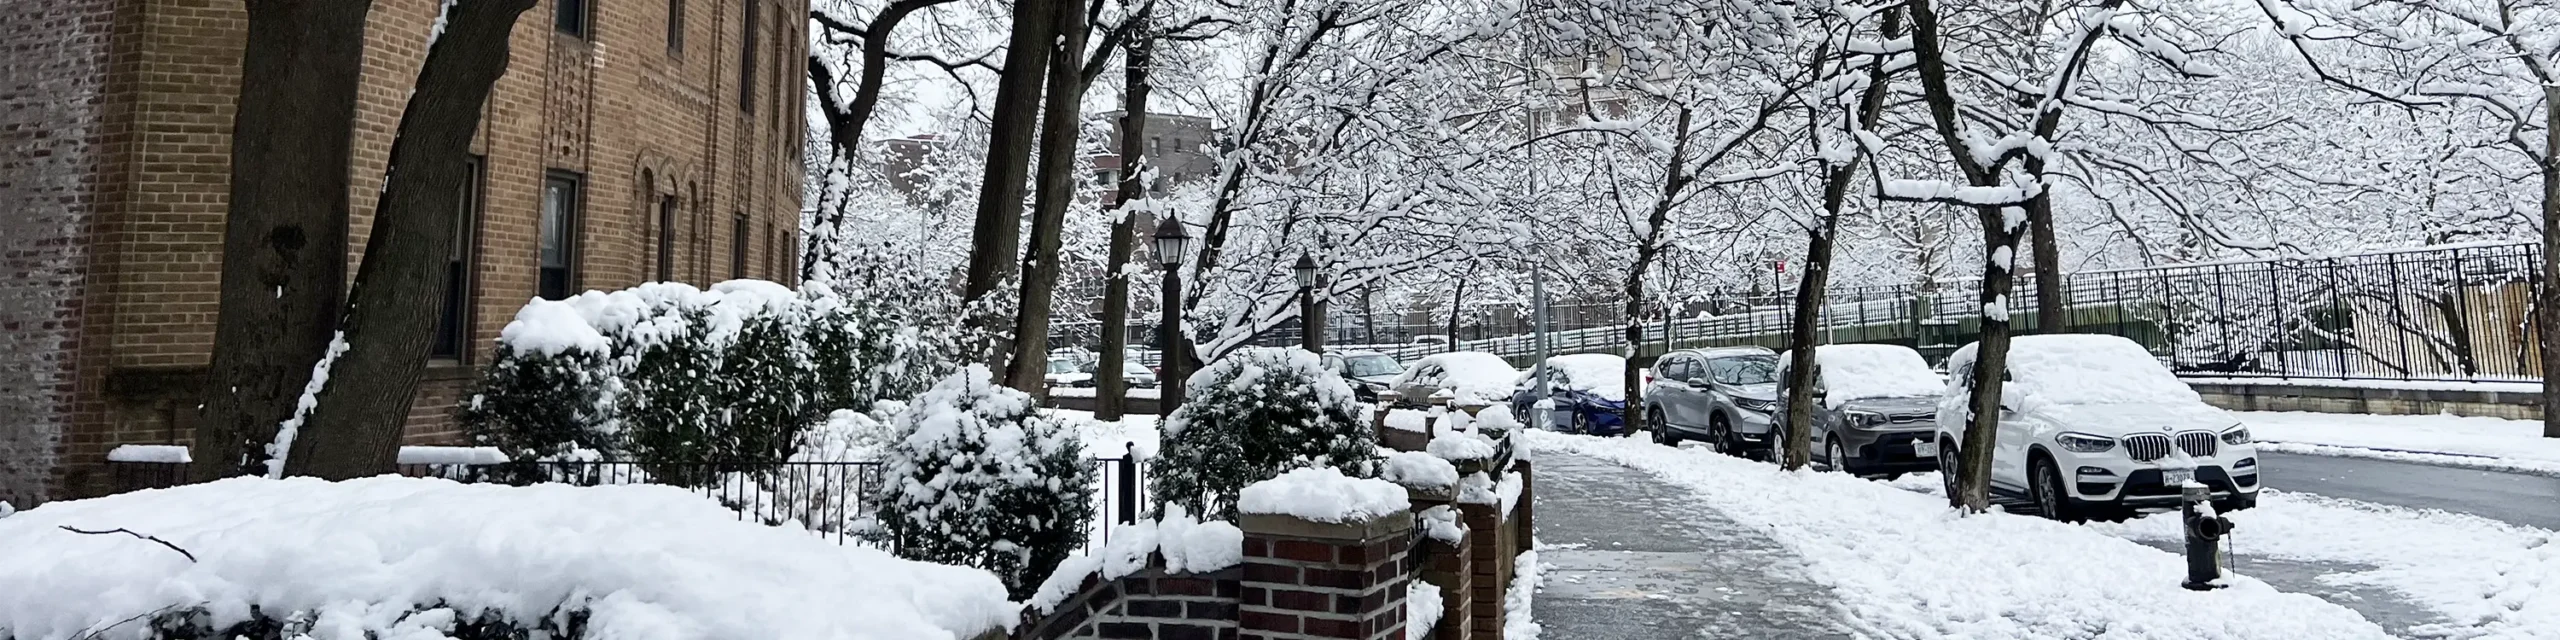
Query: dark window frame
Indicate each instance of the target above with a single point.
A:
(668, 210)
(747, 58)
(566, 225)
(455, 317)
(675, 28)
(574, 18)
(739, 228)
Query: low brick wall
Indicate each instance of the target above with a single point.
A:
(1148, 605)
(2277, 396)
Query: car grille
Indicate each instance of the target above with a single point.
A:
(1907, 418)
(2198, 443)
(2147, 447)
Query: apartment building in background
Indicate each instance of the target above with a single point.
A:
(629, 141)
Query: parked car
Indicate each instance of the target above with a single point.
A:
(1468, 377)
(1589, 387)
(1137, 376)
(1722, 396)
(2094, 426)
(1066, 373)
(1368, 372)
(1871, 404)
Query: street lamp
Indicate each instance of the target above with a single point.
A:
(1171, 244)
(1310, 320)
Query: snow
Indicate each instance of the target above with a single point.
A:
(1461, 445)
(1985, 576)
(1859, 371)
(1409, 420)
(1422, 609)
(2073, 369)
(1186, 544)
(2487, 579)
(2493, 443)
(452, 455)
(1323, 495)
(1113, 439)
(1997, 309)
(1442, 524)
(1519, 619)
(291, 427)
(1471, 377)
(2420, 385)
(552, 327)
(151, 453)
(642, 561)
(1599, 374)
(1419, 470)
(1496, 418)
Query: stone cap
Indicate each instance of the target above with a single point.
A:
(1265, 524)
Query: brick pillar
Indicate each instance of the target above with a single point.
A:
(1450, 569)
(1306, 580)
(1488, 568)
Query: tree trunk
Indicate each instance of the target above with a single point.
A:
(1061, 128)
(2546, 308)
(2050, 308)
(284, 242)
(995, 242)
(1990, 368)
(1648, 244)
(1817, 272)
(390, 318)
(1108, 403)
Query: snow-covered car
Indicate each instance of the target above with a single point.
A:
(1466, 377)
(1872, 403)
(1137, 376)
(1722, 396)
(1066, 373)
(2094, 426)
(1591, 388)
(1368, 372)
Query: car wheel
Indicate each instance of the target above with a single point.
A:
(2051, 498)
(1837, 456)
(1721, 431)
(1661, 429)
(1947, 466)
(1581, 423)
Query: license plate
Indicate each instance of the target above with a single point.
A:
(2176, 477)
(1924, 449)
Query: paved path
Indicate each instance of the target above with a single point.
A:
(1629, 558)
(2517, 498)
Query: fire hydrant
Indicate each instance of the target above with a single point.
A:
(2205, 529)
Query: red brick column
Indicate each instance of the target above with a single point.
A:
(1488, 568)
(1306, 580)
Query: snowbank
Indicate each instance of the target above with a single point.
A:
(1598, 374)
(643, 561)
(2491, 443)
(1519, 620)
(2488, 579)
(1323, 495)
(2085, 369)
(1419, 470)
(1906, 566)
(1470, 377)
(1187, 544)
(1422, 609)
(1855, 371)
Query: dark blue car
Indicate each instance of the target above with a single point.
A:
(1588, 391)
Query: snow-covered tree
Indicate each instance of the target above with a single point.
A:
(980, 477)
(1252, 416)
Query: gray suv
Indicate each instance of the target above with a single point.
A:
(1721, 396)
(1871, 404)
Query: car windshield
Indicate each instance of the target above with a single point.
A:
(1062, 366)
(1373, 365)
(1744, 369)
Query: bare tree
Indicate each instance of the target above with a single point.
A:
(1839, 164)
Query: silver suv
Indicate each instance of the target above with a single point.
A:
(1721, 396)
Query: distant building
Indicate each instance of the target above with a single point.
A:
(1178, 146)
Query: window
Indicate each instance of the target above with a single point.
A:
(675, 27)
(453, 319)
(1154, 146)
(571, 17)
(747, 58)
(560, 202)
(738, 230)
(770, 258)
(666, 238)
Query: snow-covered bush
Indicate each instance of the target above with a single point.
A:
(978, 477)
(665, 373)
(1252, 416)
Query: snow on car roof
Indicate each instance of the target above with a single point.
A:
(2084, 369)
(1471, 374)
(1854, 371)
(1599, 374)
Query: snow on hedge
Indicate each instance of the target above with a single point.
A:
(1186, 544)
(359, 556)
(1986, 576)
(1254, 415)
(1855, 371)
(1324, 495)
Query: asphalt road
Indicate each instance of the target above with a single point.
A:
(2516, 498)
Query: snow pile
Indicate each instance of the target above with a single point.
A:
(1408, 420)
(1470, 377)
(1422, 609)
(1461, 446)
(2488, 579)
(151, 453)
(978, 477)
(1323, 495)
(1497, 418)
(452, 455)
(1855, 371)
(1519, 621)
(1442, 524)
(1186, 544)
(1599, 374)
(358, 558)
(1986, 576)
(1419, 470)
(2491, 443)
(2083, 369)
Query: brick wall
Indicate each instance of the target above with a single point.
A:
(52, 71)
(1148, 605)
(1315, 580)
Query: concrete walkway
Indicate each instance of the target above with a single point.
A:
(1627, 558)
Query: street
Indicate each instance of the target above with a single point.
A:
(2515, 498)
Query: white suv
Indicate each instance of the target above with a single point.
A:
(2093, 426)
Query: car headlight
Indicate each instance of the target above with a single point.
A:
(1755, 406)
(2236, 436)
(2084, 443)
(1864, 418)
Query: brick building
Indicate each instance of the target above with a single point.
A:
(630, 140)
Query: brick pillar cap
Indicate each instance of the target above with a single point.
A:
(1275, 525)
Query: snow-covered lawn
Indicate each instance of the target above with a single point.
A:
(358, 557)
(1114, 439)
(2488, 443)
(1906, 566)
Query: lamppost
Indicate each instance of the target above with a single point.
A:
(1310, 320)
(1171, 244)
